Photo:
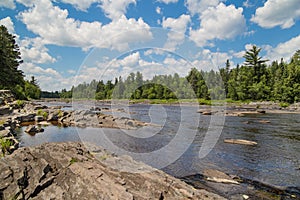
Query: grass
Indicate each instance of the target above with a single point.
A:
(43, 113)
(73, 160)
(20, 103)
(2, 122)
(284, 104)
(5, 145)
(60, 113)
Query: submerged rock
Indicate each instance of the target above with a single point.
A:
(69, 171)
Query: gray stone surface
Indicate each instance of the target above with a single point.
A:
(69, 171)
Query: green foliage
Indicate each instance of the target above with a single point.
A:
(10, 59)
(20, 103)
(32, 90)
(73, 160)
(43, 113)
(5, 145)
(60, 113)
(10, 76)
(284, 104)
(2, 122)
(253, 81)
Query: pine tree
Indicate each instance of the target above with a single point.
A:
(10, 59)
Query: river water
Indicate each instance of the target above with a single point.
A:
(274, 161)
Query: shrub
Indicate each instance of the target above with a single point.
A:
(5, 145)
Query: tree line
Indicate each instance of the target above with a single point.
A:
(11, 78)
(254, 80)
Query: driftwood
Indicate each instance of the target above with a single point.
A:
(240, 141)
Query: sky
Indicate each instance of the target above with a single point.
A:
(66, 42)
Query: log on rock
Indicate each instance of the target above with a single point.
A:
(218, 177)
(240, 141)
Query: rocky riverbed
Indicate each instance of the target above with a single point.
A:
(16, 113)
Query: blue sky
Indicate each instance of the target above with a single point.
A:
(70, 41)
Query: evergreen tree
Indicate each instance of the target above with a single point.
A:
(10, 75)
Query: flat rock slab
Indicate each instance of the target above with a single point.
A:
(70, 171)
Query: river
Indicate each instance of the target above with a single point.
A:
(275, 160)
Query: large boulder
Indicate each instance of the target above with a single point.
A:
(69, 171)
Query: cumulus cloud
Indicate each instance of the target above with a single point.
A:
(7, 22)
(168, 1)
(81, 4)
(178, 27)
(198, 6)
(54, 26)
(114, 9)
(8, 4)
(208, 60)
(284, 50)
(221, 22)
(33, 50)
(281, 13)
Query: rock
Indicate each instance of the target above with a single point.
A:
(261, 111)
(26, 118)
(218, 177)
(33, 129)
(2, 101)
(38, 118)
(44, 123)
(206, 113)
(5, 110)
(6, 96)
(52, 117)
(264, 121)
(5, 133)
(240, 141)
(69, 171)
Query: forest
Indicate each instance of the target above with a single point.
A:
(254, 80)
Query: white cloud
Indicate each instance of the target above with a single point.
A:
(208, 60)
(8, 4)
(33, 50)
(168, 1)
(26, 3)
(7, 22)
(158, 10)
(284, 50)
(198, 6)
(247, 4)
(281, 13)
(221, 22)
(81, 4)
(114, 9)
(71, 71)
(32, 69)
(54, 26)
(178, 27)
